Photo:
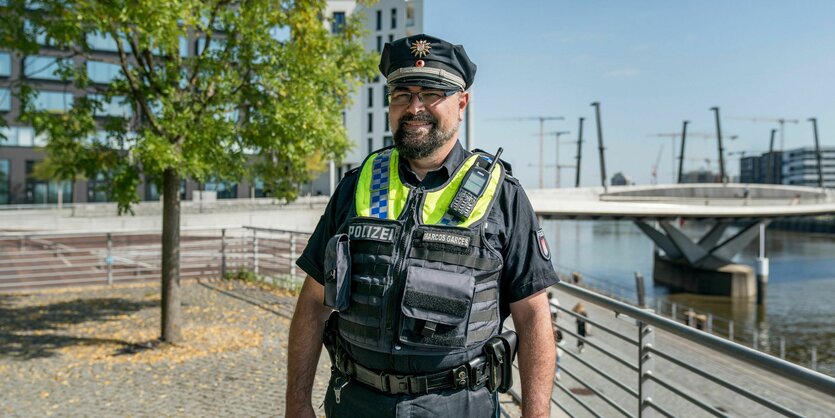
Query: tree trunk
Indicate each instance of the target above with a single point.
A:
(171, 331)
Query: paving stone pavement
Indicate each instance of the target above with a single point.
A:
(83, 352)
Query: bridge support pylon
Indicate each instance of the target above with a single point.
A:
(704, 266)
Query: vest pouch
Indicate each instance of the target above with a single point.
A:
(436, 306)
(338, 273)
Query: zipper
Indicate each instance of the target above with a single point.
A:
(402, 252)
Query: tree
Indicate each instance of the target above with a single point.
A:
(263, 89)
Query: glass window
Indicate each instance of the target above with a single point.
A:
(379, 20)
(370, 122)
(152, 192)
(387, 141)
(117, 106)
(379, 44)
(225, 190)
(41, 67)
(53, 101)
(385, 95)
(410, 15)
(18, 136)
(370, 145)
(391, 38)
(97, 189)
(393, 18)
(101, 42)
(102, 72)
(258, 188)
(183, 47)
(387, 122)
(5, 64)
(5, 100)
(5, 168)
(337, 22)
(215, 46)
(370, 96)
(41, 191)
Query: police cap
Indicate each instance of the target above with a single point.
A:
(426, 61)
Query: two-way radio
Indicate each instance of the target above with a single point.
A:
(471, 189)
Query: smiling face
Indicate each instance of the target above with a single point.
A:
(419, 128)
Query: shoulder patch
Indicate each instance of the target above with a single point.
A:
(542, 244)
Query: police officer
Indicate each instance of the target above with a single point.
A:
(422, 253)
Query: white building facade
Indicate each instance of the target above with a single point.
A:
(366, 120)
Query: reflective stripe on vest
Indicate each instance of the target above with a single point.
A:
(381, 194)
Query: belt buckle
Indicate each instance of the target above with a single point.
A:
(461, 376)
(396, 384)
(479, 375)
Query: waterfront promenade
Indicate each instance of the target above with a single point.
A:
(87, 352)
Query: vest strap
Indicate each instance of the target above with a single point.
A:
(452, 258)
(364, 331)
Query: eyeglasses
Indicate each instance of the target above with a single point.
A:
(427, 97)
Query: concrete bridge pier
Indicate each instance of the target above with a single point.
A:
(704, 266)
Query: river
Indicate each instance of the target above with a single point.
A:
(800, 307)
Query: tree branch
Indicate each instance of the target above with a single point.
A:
(134, 86)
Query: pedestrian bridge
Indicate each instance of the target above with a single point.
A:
(691, 201)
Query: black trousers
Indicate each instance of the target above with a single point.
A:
(359, 400)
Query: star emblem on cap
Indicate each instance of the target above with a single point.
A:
(420, 48)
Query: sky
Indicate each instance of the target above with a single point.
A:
(651, 65)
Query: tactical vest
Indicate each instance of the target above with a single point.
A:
(423, 282)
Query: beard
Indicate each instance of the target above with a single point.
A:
(412, 145)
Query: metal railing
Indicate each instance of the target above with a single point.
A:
(38, 260)
(702, 319)
(640, 364)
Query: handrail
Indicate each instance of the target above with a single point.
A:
(810, 378)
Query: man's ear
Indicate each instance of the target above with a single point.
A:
(463, 101)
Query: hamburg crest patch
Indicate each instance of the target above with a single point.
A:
(542, 244)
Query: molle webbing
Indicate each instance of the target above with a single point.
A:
(368, 269)
(369, 289)
(371, 247)
(364, 331)
(485, 295)
(453, 258)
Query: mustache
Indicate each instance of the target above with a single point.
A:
(420, 117)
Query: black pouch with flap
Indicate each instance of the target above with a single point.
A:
(338, 273)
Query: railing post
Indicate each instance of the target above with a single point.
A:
(639, 285)
(22, 245)
(673, 314)
(109, 259)
(254, 251)
(731, 329)
(292, 255)
(223, 253)
(646, 365)
(709, 325)
(754, 342)
(690, 316)
(658, 306)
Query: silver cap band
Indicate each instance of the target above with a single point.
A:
(437, 74)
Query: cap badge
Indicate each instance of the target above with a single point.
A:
(421, 48)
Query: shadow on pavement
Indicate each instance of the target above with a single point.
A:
(28, 332)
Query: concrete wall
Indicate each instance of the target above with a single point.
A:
(734, 280)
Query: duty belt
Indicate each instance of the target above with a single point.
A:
(472, 375)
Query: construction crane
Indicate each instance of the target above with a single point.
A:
(541, 120)
(655, 167)
(781, 121)
(675, 135)
(558, 134)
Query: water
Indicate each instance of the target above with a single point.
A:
(801, 288)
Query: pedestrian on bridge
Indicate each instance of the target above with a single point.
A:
(580, 310)
(422, 253)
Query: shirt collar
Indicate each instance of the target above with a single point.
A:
(437, 177)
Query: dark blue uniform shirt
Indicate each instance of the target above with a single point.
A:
(512, 230)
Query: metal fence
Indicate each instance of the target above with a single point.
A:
(639, 364)
(39, 260)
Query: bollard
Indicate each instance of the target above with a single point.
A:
(639, 285)
(814, 358)
(223, 253)
(782, 348)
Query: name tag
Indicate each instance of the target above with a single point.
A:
(447, 238)
(371, 232)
